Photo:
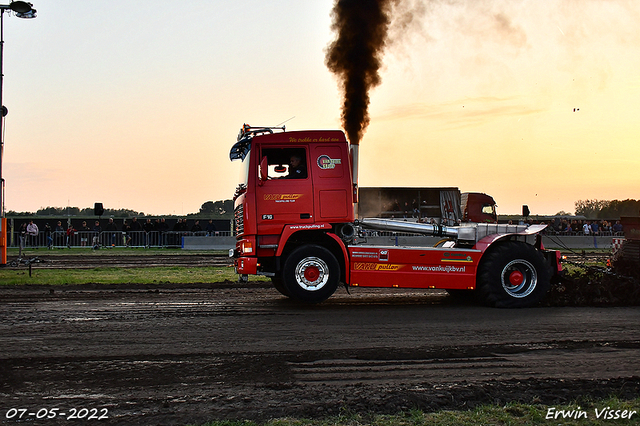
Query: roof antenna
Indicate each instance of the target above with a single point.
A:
(282, 124)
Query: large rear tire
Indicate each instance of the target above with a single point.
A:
(513, 275)
(311, 274)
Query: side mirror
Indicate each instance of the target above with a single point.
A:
(264, 171)
(525, 211)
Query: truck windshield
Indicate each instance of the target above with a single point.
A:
(489, 209)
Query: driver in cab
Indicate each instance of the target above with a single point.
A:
(297, 170)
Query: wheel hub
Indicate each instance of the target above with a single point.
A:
(312, 273)
(516, 278)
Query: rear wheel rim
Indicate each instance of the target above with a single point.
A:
(519, 278)
(312, 273)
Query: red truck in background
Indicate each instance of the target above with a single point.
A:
(295, 222)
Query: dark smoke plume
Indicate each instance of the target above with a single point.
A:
(355, 56)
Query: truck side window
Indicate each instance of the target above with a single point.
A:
(286, 163)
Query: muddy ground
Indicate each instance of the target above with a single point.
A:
(180, 354)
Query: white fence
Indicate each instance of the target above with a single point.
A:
(92, 239)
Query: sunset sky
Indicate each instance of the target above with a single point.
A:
(136, 105)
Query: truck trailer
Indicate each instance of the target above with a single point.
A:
(295, 221)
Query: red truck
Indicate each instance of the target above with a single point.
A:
(295, 221)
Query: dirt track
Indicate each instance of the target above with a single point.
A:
(178, 354)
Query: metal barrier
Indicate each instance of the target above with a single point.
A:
(173, 239)
(92, 239)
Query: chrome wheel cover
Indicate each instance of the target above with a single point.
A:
(529, 277)
(312, 273)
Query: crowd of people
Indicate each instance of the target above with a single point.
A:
(130, 233)
(584, 227)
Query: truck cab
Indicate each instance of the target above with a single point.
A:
(295, 186)
(478, 207)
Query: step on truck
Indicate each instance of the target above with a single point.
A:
(295, 222)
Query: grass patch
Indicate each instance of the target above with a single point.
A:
(154, 275)
(512, 414)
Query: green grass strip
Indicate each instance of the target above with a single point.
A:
(511, 414)
(153, 275)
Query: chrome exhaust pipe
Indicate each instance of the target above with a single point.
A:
(409, 227)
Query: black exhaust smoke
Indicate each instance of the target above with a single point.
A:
(355, 56)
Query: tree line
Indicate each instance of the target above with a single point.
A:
(607, 209)
(222, 209)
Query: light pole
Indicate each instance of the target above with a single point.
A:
(22, 9)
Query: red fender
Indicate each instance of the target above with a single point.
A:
(289, 230)
(485, 242)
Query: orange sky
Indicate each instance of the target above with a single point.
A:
(137, 105)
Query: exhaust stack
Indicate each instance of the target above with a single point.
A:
(354, 176)
(354, 163)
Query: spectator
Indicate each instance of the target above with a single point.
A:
(126, 233)
(181, 226)
(32, 234)
(617, 228)
(22, 236)
(595, 227)
(71, 231)
(575, 226)
(97, 230)
(586, 228)
(196, 227)
(211, 228)
(415, 208)
(162, 229)
(148, 228)
(84, 234)
(59, 234)
(47, 233)
(136, 231)
(111, 228)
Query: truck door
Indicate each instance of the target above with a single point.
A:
(284, 192)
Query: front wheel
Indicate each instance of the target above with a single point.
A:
(513, 275)
(311, 274)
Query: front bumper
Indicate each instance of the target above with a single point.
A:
(246, 265)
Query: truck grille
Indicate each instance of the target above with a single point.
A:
(238, 219)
